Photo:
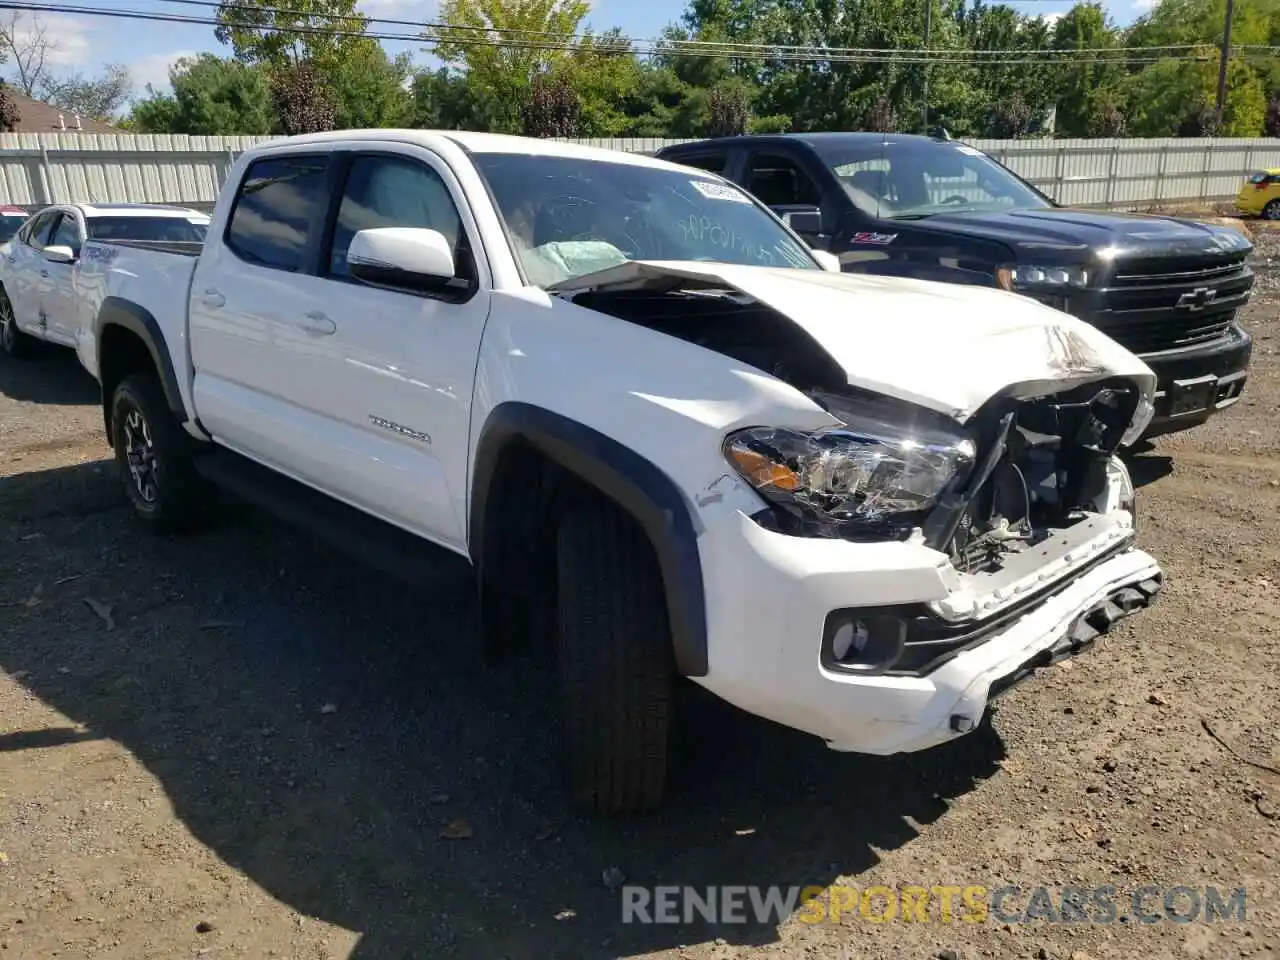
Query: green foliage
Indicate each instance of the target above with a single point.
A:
(554, 107)
(211, 96)
(10, 114)
(302, 102)
(270, 32)
(536, 65)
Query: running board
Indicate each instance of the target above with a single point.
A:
(374, 542)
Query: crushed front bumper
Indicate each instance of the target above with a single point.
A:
(773, 594)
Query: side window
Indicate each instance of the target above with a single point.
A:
(389, 191)
(274, 209)
(41, 227)
(779, 182)
(67, 234)
(711, 162)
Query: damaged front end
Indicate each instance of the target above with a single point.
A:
(978, 424)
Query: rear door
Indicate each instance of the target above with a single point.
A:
(249, 291)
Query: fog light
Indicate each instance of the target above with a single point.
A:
(869, 644)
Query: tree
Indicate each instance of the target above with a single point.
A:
(27, 44)
(503, 44)
(99, 98)
(1011, 118)
(1201, 120)
(443, 100)
(10, 114)
(302, 103)
(881, 117)
(284, 34)
(368, 88)
(553, 109)
(1272, 126)
(1081, 77)
(729, 110)
(211, 96)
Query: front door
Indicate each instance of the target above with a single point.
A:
(57, 293)
(25, 262)
(395, 375)
(364, 393)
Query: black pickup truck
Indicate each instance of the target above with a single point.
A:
(937, 209)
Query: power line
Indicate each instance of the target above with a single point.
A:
(664, 42)
(561, 37)
(650, 48)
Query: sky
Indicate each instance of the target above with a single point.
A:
(83, 43)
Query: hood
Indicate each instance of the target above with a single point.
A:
(1079, 236)
(943, 346)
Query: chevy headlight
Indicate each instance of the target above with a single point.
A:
(1028, 277)
(865, 472)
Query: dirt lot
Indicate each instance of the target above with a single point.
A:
(242, 745)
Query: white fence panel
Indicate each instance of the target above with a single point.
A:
(48, 167)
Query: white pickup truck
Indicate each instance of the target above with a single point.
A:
(668, 437)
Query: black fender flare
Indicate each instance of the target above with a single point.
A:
(633, 482)
(118, 312)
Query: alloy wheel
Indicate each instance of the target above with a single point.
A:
(140, 455)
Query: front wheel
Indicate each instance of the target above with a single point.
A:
(154, 456)
(13, 341)
(616, 666)
(1271, 211)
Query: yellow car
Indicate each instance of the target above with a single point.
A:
(1260, 195)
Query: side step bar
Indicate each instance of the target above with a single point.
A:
(387, 548)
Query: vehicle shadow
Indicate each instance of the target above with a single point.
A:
(1145, 465)
(318, 727)
(50, 375)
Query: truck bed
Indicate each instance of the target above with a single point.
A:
(154, 274)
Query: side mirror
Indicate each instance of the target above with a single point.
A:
(59, 254)
(807, 220)
(830, 262)
(408, 258)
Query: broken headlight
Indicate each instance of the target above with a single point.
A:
(865, 472)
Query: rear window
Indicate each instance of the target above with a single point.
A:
(1258, 177)
(145, 228)
(274, 208)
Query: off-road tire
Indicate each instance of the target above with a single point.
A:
(1271, 211)
(13, 342)
(139, 412)
(615, 661)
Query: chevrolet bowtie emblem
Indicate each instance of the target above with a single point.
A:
(1197, 299)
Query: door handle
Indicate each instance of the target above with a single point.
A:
(317, 324)
(213, 298)
(44, 273)
(10, 259)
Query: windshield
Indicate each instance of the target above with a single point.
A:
(569, 216)
(146, 228)
(907, 179)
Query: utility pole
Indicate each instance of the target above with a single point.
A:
(924, 92)
(1222, 63)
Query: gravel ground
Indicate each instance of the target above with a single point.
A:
(242, 745)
